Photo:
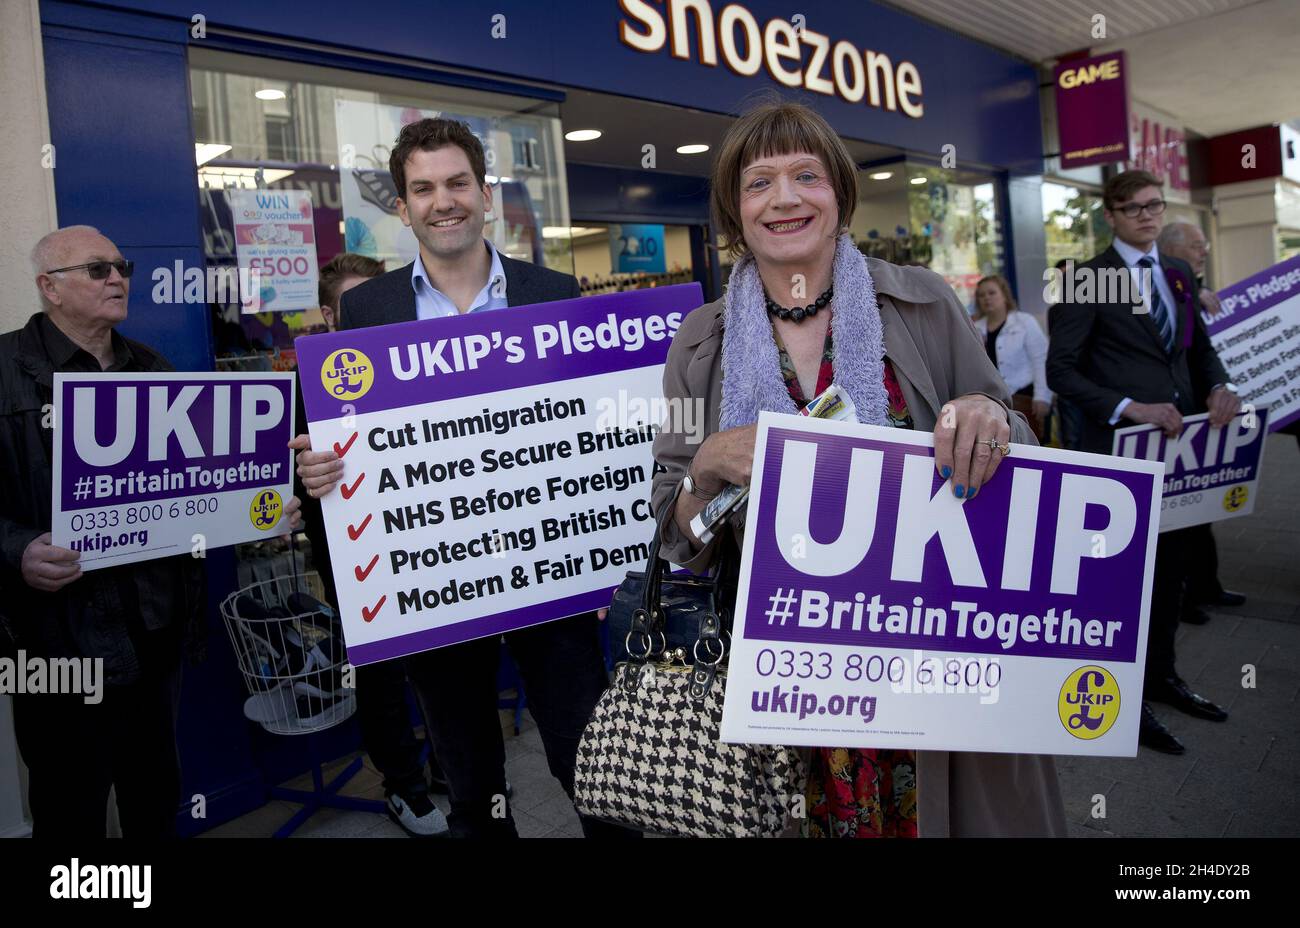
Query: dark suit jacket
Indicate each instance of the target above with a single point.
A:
(1100, 353)
(390, 298)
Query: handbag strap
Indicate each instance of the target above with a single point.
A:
(649, 621)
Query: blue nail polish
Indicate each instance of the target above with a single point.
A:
(958, 491)
(946, 471)
(970, 492)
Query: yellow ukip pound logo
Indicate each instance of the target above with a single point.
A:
(1089, 702)
(1235, 498)
(265, 510)
(347, 374)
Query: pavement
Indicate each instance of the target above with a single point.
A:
(1239, 778)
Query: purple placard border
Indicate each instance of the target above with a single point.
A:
(313, 349)
(470, 629)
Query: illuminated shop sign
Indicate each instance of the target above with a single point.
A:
(793, 54)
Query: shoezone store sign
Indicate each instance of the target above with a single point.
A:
(496, 474)
(875, 609)
(152, 465)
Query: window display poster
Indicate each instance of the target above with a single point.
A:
(635, 248)
(275, 241)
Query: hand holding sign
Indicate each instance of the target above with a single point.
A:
(320, 471)
(47, 567)
(1223, 405)
(1164, 416)
(961, 436)
(727, 457)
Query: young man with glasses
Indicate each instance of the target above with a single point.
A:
(1149, 362)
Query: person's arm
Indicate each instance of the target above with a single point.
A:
(674, 451)
(14, 539)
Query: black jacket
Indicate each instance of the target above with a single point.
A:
(1100, 353)
(108, 613)
(390, 298)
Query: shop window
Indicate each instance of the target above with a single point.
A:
(264, 124)
(1288, 244)
(613, 258)
(960, 224)
(1074, 223)
(947, 221)
(279, 138)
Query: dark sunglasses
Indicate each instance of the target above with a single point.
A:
(99, 270)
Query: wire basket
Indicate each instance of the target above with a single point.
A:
(290, 650)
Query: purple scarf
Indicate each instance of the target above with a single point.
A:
(751, 365)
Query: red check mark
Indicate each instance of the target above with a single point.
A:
(354, 532)
(362, 574)
(369, 614)
(347, 491)
(341, 450)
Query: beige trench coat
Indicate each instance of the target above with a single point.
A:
(937, 356)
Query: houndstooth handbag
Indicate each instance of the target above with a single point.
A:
(651, 756)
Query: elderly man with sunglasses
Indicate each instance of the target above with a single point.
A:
(135, 618)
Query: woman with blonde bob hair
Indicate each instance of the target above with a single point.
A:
(1017, 347)
(804, 308)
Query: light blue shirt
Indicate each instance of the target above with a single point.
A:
(1131, 257)
(432, 303)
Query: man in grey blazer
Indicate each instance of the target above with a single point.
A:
(1148, 361)
(438, 165)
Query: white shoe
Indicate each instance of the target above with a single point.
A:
(417, 815)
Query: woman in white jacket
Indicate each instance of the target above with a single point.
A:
(1017, 346)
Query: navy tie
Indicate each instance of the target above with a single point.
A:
(1159, 312)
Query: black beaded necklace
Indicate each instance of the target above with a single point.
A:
(799, 313)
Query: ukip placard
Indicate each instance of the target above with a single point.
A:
(1210, 474)
(875, 609)
(496, 465)
(152, 465)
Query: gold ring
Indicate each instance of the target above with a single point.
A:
(993, 444)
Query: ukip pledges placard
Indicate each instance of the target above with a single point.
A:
(875, 609)
(496, 465)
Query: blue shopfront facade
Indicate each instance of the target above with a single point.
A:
(120, 111)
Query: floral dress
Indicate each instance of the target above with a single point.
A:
(857, 792)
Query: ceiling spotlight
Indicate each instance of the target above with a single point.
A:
(692, 149)
(882, 175)
(582, 135)
(920, 180)
(269, 94)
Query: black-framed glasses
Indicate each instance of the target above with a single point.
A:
(99, 270)
(1133, 210)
